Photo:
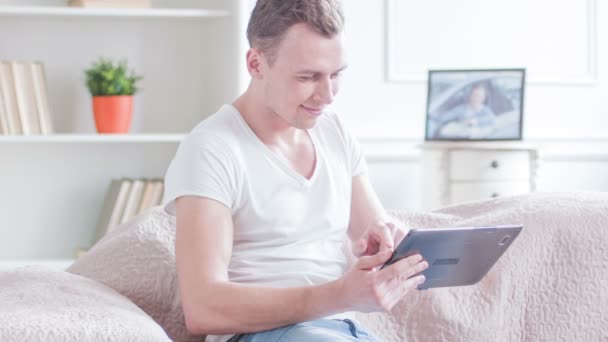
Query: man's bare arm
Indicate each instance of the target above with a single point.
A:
(369, 221)
(365, 208)
(214, 305)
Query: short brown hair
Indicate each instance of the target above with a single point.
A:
(271, 19)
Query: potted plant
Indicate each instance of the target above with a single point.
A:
(112, 88)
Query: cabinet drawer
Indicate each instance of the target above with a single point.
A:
(464, 192)
(489, 165)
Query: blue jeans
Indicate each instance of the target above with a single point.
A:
(320, 330)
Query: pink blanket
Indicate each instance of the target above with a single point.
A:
(551, 285)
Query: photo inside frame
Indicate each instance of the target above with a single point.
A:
(475, 105)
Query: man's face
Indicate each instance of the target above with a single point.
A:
(478, 96)
(304, 77)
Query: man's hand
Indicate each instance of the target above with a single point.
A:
(380, 236)
(366, 289)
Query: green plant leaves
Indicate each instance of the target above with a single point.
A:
(106, 77)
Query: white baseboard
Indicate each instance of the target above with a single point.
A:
(381, 150)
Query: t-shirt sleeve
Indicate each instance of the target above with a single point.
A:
(354, 151)
(202, 166)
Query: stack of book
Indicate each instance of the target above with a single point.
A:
(125, 199)
(24, 105)
(110, 3)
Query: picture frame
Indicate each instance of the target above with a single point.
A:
(475, 104)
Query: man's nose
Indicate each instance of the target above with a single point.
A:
(325, 91)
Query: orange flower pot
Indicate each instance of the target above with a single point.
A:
(113, 113)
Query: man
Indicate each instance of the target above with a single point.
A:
(267, 190)
(471, 119)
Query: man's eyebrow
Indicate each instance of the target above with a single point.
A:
(308, 71)
(341, 69)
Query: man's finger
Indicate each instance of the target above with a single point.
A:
(383, 236)
(405, 267)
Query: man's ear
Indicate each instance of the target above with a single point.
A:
(255, 61)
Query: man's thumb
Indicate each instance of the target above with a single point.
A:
(369, 262)
(360, 247)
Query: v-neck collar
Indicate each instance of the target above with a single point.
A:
(280, 161)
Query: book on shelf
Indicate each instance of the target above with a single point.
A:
(124, 199)
(133, 200)
(23, 96)
(9, 99)
(157, 194)
(3, 116)
(41, 97)
(152, 194)
(24, 99)
(119, 188)
(118, 204)
(146, 196)
(110, 3)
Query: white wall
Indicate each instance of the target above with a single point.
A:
(561, 44)
(556, 106)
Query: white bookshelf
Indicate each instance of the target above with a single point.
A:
(105, 12)
(93, 138)
(53, 186)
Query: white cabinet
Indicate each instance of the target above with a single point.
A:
(52, 188)
(457, 172)
(488, 165)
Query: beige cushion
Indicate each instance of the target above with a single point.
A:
(137, 259)
(43, 304)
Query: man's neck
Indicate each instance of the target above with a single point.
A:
(270, 128)
(294, 145)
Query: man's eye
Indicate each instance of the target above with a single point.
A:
(305, 78)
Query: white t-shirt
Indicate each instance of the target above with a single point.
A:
(288, 230)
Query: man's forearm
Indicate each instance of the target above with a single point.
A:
(236, 308)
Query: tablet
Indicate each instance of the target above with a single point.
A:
(456, 256)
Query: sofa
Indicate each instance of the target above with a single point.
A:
(550, 285)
